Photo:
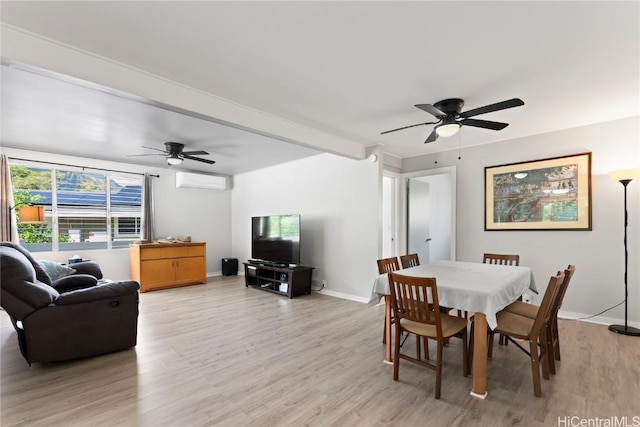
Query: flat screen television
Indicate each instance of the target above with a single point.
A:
(276, 239)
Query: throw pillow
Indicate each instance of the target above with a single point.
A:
(55, 270)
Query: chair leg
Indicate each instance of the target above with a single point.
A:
(396, 354)
(535, 368)
(490, 344)
(439, 370)
(556, 339)
(425, 341)
(465, 355)
(470, 350)
(544, 355)
(549, 350)
(384, 332)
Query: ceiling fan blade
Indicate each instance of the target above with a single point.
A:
(515, 102)
(199, 153)
(430, 109)
(198, 159)
(157, 149)
(485, 124)
(407, 127)
(142, 155)
(432, 137)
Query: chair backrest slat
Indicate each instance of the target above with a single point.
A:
(388, 265)
(544, 311)
(501, 259)
(557, 302)
(415, 299)
(410, 260)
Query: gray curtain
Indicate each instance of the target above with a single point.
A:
(147, 209)
(8, 226)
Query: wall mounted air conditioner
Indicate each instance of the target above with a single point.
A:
(194, 180)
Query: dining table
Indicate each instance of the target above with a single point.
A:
(481, 289)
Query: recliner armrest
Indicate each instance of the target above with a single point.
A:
(100, 292)
(87, 267)
(73, 282)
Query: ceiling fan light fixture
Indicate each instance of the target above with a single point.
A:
(174, 159)
(448, 128)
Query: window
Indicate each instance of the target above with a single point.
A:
(82, 210)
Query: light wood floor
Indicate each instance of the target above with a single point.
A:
(222, 354)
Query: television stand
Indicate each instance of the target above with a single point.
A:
(289, 281)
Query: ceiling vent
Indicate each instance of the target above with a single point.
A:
(193, 180)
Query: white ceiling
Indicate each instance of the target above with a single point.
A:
(350, 69)
(56, 114)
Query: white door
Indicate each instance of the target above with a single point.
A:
(418, 208)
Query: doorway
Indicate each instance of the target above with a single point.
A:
(418, 214)
(430, 219)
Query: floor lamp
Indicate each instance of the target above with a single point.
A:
(625, 177)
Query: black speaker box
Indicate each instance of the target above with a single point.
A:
(229, 266)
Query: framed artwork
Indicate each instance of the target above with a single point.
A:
(547, 194)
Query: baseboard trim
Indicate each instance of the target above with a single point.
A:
(344, 296)
(600, 320)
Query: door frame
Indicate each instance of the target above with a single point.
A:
(397, 178)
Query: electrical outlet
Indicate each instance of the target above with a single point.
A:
(526, 298)
(324, 283)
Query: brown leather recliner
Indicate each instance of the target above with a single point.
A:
(55, 325)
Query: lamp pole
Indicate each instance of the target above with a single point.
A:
(625, 177)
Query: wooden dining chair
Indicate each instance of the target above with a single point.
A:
(388, 265)
(410, 260)
(534, 331)
(501, 259)
(385, 266)
(530, 310)
(417, 311)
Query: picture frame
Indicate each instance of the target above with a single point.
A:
(545, 194)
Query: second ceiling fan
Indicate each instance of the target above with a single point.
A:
(451, 117)
(175, 154)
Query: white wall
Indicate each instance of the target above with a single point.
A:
(204, 215)
(338, 200)
(598, 254)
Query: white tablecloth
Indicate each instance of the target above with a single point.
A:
(469, 286)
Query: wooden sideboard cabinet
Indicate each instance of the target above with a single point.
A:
(168, 265)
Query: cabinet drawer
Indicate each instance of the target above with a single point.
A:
(195, 251)
(165, 252)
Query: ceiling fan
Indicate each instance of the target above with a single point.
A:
(175, 155)
(451, 118)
